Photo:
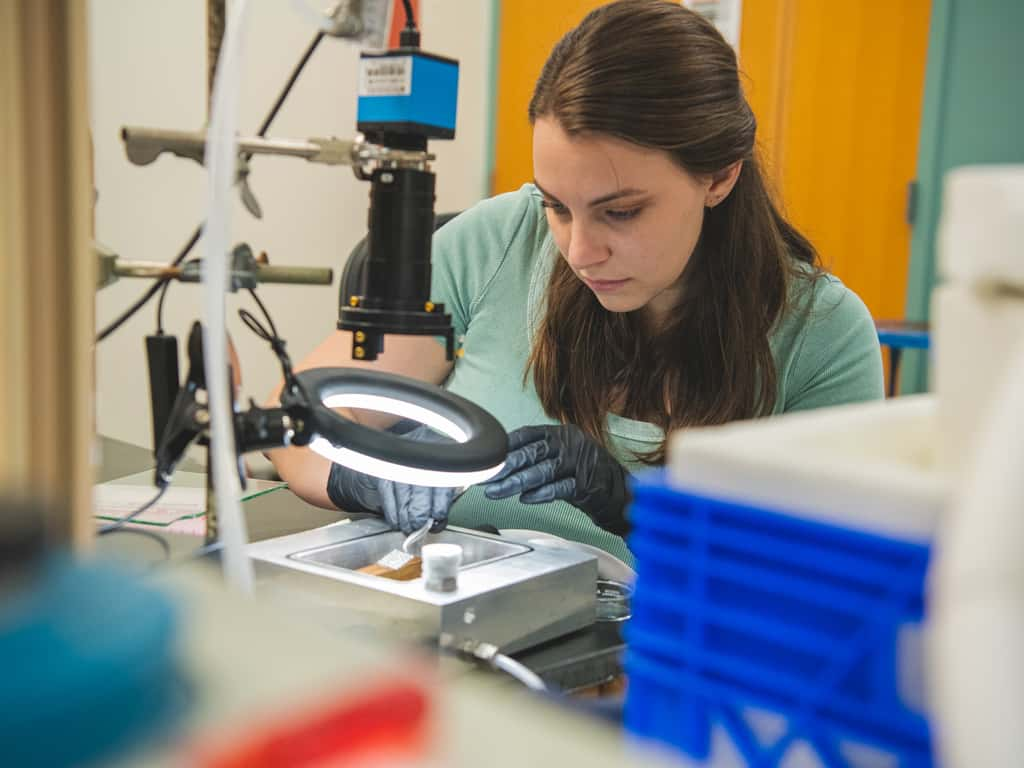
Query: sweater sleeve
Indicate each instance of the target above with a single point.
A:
(839, 360)
(469, 250)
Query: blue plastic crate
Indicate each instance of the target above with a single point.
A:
(745, 616)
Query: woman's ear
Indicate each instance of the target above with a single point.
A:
(722, 183)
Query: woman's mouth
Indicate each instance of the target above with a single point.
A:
(604, 286)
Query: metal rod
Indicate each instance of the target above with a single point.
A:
(145, 269)
(295, 275)
(289, 147)
(263, 273)
(144, 145)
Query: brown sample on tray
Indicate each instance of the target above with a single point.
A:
(614, 688)
(411, 570)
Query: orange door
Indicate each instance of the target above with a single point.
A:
(837, 88)
(529, 30)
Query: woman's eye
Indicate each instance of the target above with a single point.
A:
(557, 208)
(623, 214)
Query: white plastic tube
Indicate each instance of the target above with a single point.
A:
(221, 164)
(488, 652)
(519, 671)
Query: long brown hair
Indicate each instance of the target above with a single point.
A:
(660, 76)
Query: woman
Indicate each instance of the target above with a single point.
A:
(644, 283)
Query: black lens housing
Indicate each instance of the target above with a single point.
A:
(395, 290)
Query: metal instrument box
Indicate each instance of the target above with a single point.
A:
(510, 593)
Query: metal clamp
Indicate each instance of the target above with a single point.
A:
(144, 145)
(246, 270)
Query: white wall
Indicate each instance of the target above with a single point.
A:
(148, 67)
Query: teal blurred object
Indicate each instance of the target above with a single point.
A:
(87, 663)
(972, 114)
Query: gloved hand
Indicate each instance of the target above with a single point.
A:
(405, 507)
(561, 462)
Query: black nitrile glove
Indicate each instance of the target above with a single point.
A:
(405, 507)
(561, 462)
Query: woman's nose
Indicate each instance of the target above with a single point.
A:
(583, 249)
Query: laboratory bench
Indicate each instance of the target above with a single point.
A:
(307, 648)
(588, 657)
(252, 665)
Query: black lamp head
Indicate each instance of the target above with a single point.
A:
(477, 453)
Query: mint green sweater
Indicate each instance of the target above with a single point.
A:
(490, 268)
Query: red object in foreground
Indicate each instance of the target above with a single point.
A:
(386, 725)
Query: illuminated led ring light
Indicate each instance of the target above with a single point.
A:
(477, 455)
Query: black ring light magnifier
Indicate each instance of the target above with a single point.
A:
(306, 417)
(477, 453)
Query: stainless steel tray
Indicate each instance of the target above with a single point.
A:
(509, 593)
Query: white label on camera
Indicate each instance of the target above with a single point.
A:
(388, 76)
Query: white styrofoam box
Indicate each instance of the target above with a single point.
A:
(981, 228)
(976, 593)
(868, 466)
(976, 332)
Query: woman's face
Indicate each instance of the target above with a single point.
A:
(625, 218)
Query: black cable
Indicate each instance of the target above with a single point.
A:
(410, 18)
(291, 383)
(270, 336)
(266, 314)
(151, 291)
(121, 522)
(162, 283)
(265, 125)
(167, 282)
(160, 308)
(163, 293)
(149, 535)
(126, 315)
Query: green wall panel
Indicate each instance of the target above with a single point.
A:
(973, 113)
